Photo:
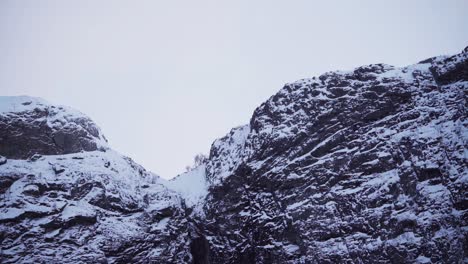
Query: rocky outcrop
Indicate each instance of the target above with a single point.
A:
(90, 206)
(30, 125)
(363, 166)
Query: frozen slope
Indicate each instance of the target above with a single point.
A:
(192, 186)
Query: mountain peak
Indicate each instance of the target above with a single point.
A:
(31, 125)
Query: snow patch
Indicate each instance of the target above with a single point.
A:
(192, 185)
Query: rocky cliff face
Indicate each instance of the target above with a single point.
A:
(84, 204)
(366, 166)
(363, 166)
(32, 125)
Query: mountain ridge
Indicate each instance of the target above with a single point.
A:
(362, 166)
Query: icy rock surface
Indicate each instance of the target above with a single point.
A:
(366, 166)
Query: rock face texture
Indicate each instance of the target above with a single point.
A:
(365, 166)
(31, 125)
(87, 205)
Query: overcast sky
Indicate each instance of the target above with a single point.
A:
(163, 79)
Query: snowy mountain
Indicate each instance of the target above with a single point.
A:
(85, 203)
(365, 166)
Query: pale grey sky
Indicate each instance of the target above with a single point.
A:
(163, 79)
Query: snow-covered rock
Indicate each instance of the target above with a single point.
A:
(362, 166)
(226, 154)
(365, 166)
(88, 203)
(30, 125)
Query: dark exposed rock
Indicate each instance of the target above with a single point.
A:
(35, 157)
(3, 160)
(451, 69)
(36, 127)
(32, 190)
(7, 180)
(58, 169)
(199, 248)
